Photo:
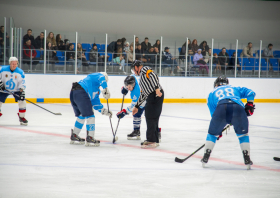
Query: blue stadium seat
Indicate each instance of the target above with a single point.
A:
(230, 52)
(87, 55)
(275, 64)
(216, 51)
(61, 60)
(259, 52)
(110, 56)
(248, 64)
(276, 53)
(179, 49)
(59, 53)
(102, 48)
(239, 51)
(86, 46)
(38, 54)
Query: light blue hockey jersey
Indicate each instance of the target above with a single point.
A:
(134, 95)
(229, 92)
(91, 85)
(13, 81)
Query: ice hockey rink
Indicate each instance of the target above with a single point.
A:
(38, 160)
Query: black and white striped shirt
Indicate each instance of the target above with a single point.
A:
(149, 82)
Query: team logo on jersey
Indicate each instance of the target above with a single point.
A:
(6, 75)
(10, 84)
(15, 77)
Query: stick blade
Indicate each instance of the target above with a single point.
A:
(57, 114)
(276, 158)
(179, 160)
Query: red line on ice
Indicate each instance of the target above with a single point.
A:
(156, 150)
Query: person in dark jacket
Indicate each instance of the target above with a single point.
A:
(51, 55)
(114, 45)
(145, 45)
(139, 55)
(204, 47)
(151, 56)
(223, 58)
(40, 42)
(94, 56)
(60, 44)
(232, 63)
(157, 44)
(183, 50)
(28, 36)
(29, 54)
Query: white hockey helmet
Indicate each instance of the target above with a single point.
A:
(106, 75)
(13, 59)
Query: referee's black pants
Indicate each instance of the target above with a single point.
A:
(152, 113)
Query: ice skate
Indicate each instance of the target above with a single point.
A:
(247, 160)
(147, 144)
(22, 121)
(205, 158)
(1, 114)
(135, 135)
(90, 141)
(75, 139)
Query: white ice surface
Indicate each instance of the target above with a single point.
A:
(38, 161)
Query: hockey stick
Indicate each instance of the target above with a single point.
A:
(118, 122)
(182, 160)
(32, 103)
(276, 158)
(110, 120)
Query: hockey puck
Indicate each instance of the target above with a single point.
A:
(276, 158)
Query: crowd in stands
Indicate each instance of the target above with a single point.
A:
(122, 53)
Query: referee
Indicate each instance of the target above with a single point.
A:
(152, 92)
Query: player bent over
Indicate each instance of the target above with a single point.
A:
(84, 97)
(226, 107)
(131, 84)
(12, 79)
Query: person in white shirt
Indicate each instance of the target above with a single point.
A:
(12, 79)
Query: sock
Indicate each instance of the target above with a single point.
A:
(210, 142)
(136, 123)
(22, 108)
(79, 124)
(91, 125)
(244, 142)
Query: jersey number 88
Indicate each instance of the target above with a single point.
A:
(227, 91)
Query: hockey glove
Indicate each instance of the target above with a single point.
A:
(219, 137)
(106, 112)
(106, 93)
(122, 113)
(2, 87)
(22, 95)
(124, 91)
(249, 108)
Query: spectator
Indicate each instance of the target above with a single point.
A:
(123, 42)
(207, 56)
(94, 56)
(136, 41)
(198, 60)
(119, 52)
(267, 52)
(157, 44)
(70, 57)
(60, 44)
(151, 56)
(183, 49)
(204, 48)
(29, 54)
(169, 59)
(156, 52)
(194, 46)
(247, 51)
(2, 37)
(130, 54)
(223, 58)
(81, 55)
(39, 42)
(146, 45)
(29, 36)
(126, 47)
(51, 55)
(114, 45)
(120, 61)
(139, 55)
(216, 62)
(51, 39)
(232, 63)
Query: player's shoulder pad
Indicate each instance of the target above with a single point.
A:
(5, 68)
(20, 71)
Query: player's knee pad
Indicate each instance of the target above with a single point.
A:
(243, 138)
(212, 138)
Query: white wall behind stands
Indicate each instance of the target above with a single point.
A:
(58, 86)
(200, 19)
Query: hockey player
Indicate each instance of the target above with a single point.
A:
(84, 97)
(12, 79)
(131, 84)
(226, 107)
